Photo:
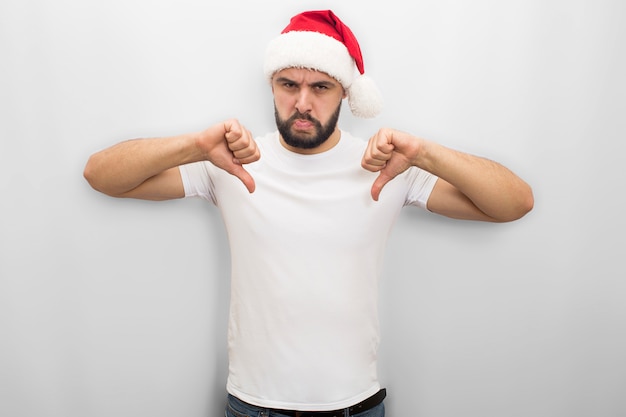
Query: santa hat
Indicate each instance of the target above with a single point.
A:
(318, 40)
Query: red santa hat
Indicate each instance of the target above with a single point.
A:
(318, 40)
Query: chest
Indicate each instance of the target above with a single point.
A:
(330, 207)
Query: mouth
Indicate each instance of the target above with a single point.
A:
(302, 124)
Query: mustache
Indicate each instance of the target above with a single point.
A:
(301, 116)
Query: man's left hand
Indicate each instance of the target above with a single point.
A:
(389, 152)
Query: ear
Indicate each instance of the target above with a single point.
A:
(272, 82)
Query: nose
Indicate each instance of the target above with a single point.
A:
(303, 101)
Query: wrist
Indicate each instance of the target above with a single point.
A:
(187, 147)
(201, 142)
(423, 153)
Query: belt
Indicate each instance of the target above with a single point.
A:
(361, 407)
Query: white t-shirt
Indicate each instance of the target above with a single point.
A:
(306, 253)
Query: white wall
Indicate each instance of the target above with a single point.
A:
(118, 308)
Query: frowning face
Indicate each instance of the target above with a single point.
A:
(307, 105)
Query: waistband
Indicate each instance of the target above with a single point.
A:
(361, 407)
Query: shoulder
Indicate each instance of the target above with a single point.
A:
(352, 142)
(350, 147)
(267, 140)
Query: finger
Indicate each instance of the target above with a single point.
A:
(247, 156)
(372, 167)
(381, 144)
(381, 151)
(378, 152)
(372, 164)
(245, 150)
(235, 135)
(242, 146)
(233, 130)
(375, 160)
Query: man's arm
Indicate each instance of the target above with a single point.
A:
(148, 168)
(469, 187)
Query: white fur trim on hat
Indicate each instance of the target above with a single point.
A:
(310, 50)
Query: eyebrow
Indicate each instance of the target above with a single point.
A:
(284, 80)
(313, 84)
(323, 84)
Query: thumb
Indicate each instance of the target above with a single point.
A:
(382, 179)
(238, 171)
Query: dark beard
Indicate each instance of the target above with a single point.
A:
(323, 132)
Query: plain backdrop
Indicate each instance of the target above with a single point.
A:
(118, 308)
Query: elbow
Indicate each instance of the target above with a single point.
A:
(527, 201)
(90, 175)
(94, 178)
(524, 207)
(523, 204)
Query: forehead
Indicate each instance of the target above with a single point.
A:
(304, 75)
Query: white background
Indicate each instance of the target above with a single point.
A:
(118, 308)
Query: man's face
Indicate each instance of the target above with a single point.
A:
(307, 105)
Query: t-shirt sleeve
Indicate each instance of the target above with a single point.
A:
(421, 184)
(197, 180)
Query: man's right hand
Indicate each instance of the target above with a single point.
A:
(228, 146)
(148, 168)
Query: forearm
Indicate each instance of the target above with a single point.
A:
(492, 188)
(125, 166)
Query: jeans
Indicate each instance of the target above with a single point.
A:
(237, 408)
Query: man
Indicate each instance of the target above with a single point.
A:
(308, 227)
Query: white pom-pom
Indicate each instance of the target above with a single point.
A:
(364, 98)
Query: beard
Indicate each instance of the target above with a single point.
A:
(303, 141)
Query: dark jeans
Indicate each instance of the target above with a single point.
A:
(237, 408)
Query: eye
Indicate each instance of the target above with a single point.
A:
(320, 87)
